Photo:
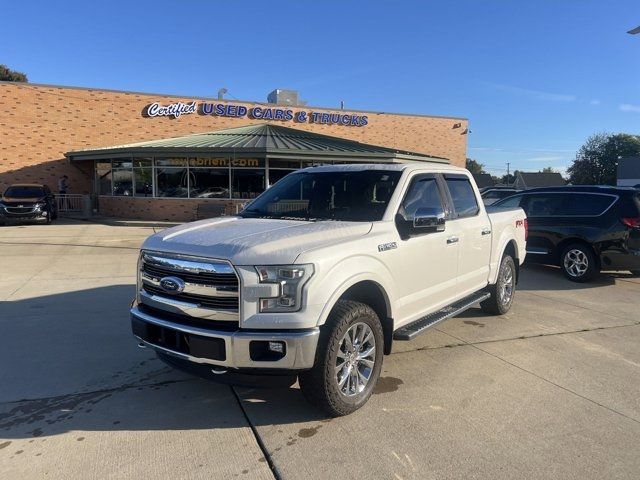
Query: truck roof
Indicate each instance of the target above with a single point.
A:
(409, 166)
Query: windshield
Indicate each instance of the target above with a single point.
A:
(357, 196)
(24, 192)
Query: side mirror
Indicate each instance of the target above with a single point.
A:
(429, 220)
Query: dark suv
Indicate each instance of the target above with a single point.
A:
(582, 229)
(28, 202)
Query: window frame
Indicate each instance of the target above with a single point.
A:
(454, 211)
(528, 197)
(444, 200)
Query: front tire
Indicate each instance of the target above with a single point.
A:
(578, 263)
(503, 291)
(348, 360)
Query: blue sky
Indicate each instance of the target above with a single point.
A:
(534, 78)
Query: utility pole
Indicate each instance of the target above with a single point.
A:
(508, 172)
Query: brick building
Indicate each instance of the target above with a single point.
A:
(102, 131)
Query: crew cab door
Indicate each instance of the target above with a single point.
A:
(425, 263)
(474, 234)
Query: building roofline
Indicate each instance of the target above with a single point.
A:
(191, 97)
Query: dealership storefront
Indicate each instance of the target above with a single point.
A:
(230, 166)
(161, 157)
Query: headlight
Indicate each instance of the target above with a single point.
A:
(290, 279)
(40, 205)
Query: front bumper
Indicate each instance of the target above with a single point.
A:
(223, 348)
(30, 215)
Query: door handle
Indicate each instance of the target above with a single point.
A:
(486, 231)
(451, 240)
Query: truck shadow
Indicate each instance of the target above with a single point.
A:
(70, 363)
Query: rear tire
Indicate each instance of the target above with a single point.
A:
(503, 291)
(578, 263)
(348, 360)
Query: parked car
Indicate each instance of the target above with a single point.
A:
(582, 229)
(491, 195)
(357, 257)
(28, 201)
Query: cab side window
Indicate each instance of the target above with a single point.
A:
(463, 196)
(423, 193)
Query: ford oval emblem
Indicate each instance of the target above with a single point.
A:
(172, 285)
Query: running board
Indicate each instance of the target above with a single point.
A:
(412, 330)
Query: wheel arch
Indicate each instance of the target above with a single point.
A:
(511, 248)
(374, 295)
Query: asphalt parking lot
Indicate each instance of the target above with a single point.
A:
(549, 390)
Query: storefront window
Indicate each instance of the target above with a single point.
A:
(103, 178)
(122, 183)
(122, 163)
(171, 162)
(276, 174)
(142, 162)
(182, 177)
(172, 182)
(247, 183)
(209, 183)
(143, 182)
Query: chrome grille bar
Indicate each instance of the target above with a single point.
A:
(209, 288)
(188, 266)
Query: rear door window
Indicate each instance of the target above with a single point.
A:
(463, 196)
(544, 204)
(586, 204)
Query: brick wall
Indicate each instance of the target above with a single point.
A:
(38, 123)
(166, 209)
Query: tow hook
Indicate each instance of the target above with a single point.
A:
(219, 371)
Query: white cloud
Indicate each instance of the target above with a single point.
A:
(595, 101)
(627, 107)
(538, 94)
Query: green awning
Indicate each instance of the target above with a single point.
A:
(263, 140)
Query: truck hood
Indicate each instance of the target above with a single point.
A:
(253, 241)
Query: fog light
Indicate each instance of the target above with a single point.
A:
(277, 347)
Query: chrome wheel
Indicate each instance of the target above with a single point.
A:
(355, 359)
(505, 284)
(576, 262)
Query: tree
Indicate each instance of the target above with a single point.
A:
(509, 179)
(8, 75)
(596, 161)
(474, 166)
(548, 170)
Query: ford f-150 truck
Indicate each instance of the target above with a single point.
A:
(319, 275)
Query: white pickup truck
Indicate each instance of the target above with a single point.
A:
(319, 275)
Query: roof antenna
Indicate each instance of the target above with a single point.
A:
(221, 93)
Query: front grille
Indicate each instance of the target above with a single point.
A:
(19, 210)
(210, 290)
(216, 279)
(227, 303)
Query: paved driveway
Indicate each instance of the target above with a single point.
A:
(548, 391)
